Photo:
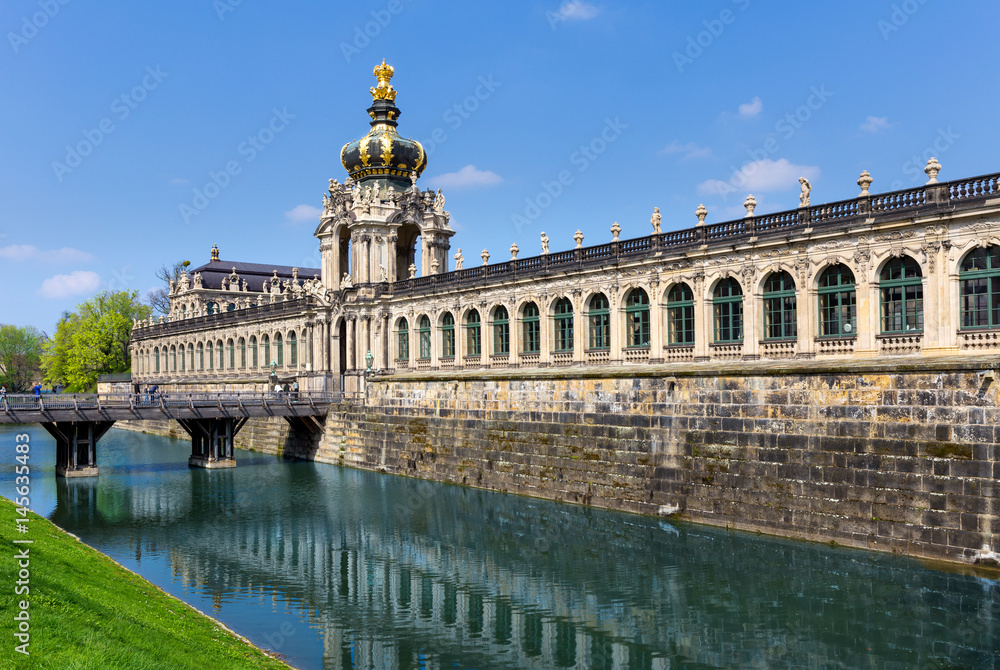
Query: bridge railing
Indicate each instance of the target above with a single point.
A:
(225, 399)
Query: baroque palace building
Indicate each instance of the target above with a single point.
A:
(901, 274)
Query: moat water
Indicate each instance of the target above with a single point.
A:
(340, 568)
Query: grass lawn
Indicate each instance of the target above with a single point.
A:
(88, 612)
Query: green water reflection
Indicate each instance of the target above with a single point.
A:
(338, 568)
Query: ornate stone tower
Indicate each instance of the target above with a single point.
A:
(370, 224)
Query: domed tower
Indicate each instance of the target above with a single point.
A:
(371, 223)
(382, 155)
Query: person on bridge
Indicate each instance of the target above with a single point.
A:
(38, 390)
(3, 391)
(295, 390)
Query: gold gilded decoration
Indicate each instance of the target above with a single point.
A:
(384, 90)
(418, 168)
(386, 149)
(342, 150)
(363, 150)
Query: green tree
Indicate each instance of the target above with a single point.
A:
(93, 340)
(20, 356)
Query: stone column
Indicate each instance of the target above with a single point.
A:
(702, 319)
(546, 333)
(616, 317)
(351, 325)
(656, 328)
(752, 316)
(581, 328)
(866, 295)
(391, 269)
(806, 319)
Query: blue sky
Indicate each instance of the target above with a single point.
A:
(115, 112)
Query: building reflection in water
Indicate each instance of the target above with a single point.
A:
(398, 573)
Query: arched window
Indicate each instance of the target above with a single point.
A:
(779, 307)
(902, 296)
(838, 310)
(980, 280)
(727, 311)
(210, 355)
(424, 335)
(293, 349)
(279, 350)
(680, 315)
(473, 334)
(173, 359)
(156, 359)
(531, 330)
(232, 355)
(231, 307)
(265, 343)
(243, 353)
(184, 311)
(221, 354)
(637, 318)
(447, 336)
(211, 308)
(190, 351)
(599, 317)
(501, 331)
(181, 357)
(201, 357)
(253, 352)
(564, 325)
(402, 340)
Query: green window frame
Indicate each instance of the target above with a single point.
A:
(901, 296)
(402, 340)
(191, 357)
(838, 302)
(254, 362)
(473, 334)
(424, 336)
(979, 278)
(780, 309)
(501, 331)
(531, 329)
(232, 354)
(201, 357)
(156, 359)
(265, 342)
(448, 336)
(599, 318)
(293, 349)
(210, 355)
(243, 353)
(279, 350)
(637, 319)
(680, 316)
(727, 311)
(211, 308)
(563, 325)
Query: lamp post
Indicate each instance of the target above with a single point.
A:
(369, 359)
(273, 379)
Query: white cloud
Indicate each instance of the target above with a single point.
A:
(874, 124)
(760, 177)
(179, 181)
(577, 10)
(690, 150)
(75, 283)
(28, 253)
(468, 177)
(303, 213)
(752, 108)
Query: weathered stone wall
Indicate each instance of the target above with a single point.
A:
(271, 435)
(879, 455)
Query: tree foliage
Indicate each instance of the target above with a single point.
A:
(93, 340)
(20, 357)
(158, 298)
